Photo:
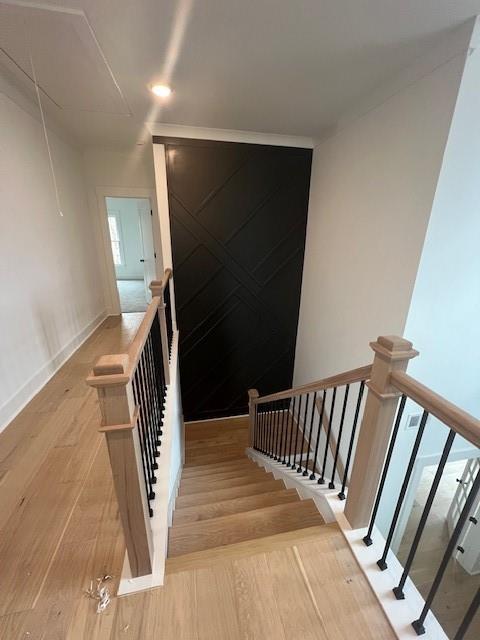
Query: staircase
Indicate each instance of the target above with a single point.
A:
(225, 499)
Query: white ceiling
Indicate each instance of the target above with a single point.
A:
(289, 67)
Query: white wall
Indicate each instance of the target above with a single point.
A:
(127, 213)
(371, 195)
(50, 294)
(443, 318)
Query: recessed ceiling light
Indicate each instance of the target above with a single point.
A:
(161, 90)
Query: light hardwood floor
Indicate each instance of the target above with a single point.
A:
(59, 529)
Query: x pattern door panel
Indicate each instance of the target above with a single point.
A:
(238, 217)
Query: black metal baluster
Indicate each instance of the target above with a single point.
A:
(319, 431)
(418, 624)
(158, 365)
(297, 429)
(141, 421)
(382, 563)
(290, 423)
(269, 428)
(153, 387)
(146, 478)
(472, 610)
(398, 591)
(265, 429)
(368, 538)
(302, 441)
(312, 415)
(149, 398)
(321, 480)
(331, 484)
(283, 451)
(261, 423)
(274, 429)
(341, 495)
(277, 440)
(148, 435)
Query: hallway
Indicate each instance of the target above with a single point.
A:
(60, 530)
(132, 296)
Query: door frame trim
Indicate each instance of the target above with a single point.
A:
(112, 298)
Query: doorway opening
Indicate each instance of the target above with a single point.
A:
(131, 239)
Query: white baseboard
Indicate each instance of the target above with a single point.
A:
(12, 407)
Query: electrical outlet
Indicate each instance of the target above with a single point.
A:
(413, 421)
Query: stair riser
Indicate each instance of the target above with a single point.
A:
(237, 505)
(240, 527)
(227, 494)
(189, 488)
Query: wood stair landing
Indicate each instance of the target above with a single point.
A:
(226, 500)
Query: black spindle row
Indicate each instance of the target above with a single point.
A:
(298, 432)
(452, 545)
(149, 390)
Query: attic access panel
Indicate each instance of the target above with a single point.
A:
(70, 67)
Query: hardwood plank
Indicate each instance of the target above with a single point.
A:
(300, 615)
(92, 544)
(216, 584)
(235, 505)
(226, 494)
(168, 613)
(249, 525)
(337, 582)
(258, 610)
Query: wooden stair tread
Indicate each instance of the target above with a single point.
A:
(237, 505)
(218, 495)
(239, 527)
(201, 485)
(204, 470)
(218, 555)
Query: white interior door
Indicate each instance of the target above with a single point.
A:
(146, 233)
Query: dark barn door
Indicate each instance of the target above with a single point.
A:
(238, 216)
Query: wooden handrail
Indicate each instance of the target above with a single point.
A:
(347, 377)
(448, 413)
(118, 369)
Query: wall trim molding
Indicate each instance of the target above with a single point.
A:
(229, 135)
(12, 407)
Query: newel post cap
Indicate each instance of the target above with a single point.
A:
(394, 348)
(108, 371)
(111, 365)
(156, 287)
(253, 394)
